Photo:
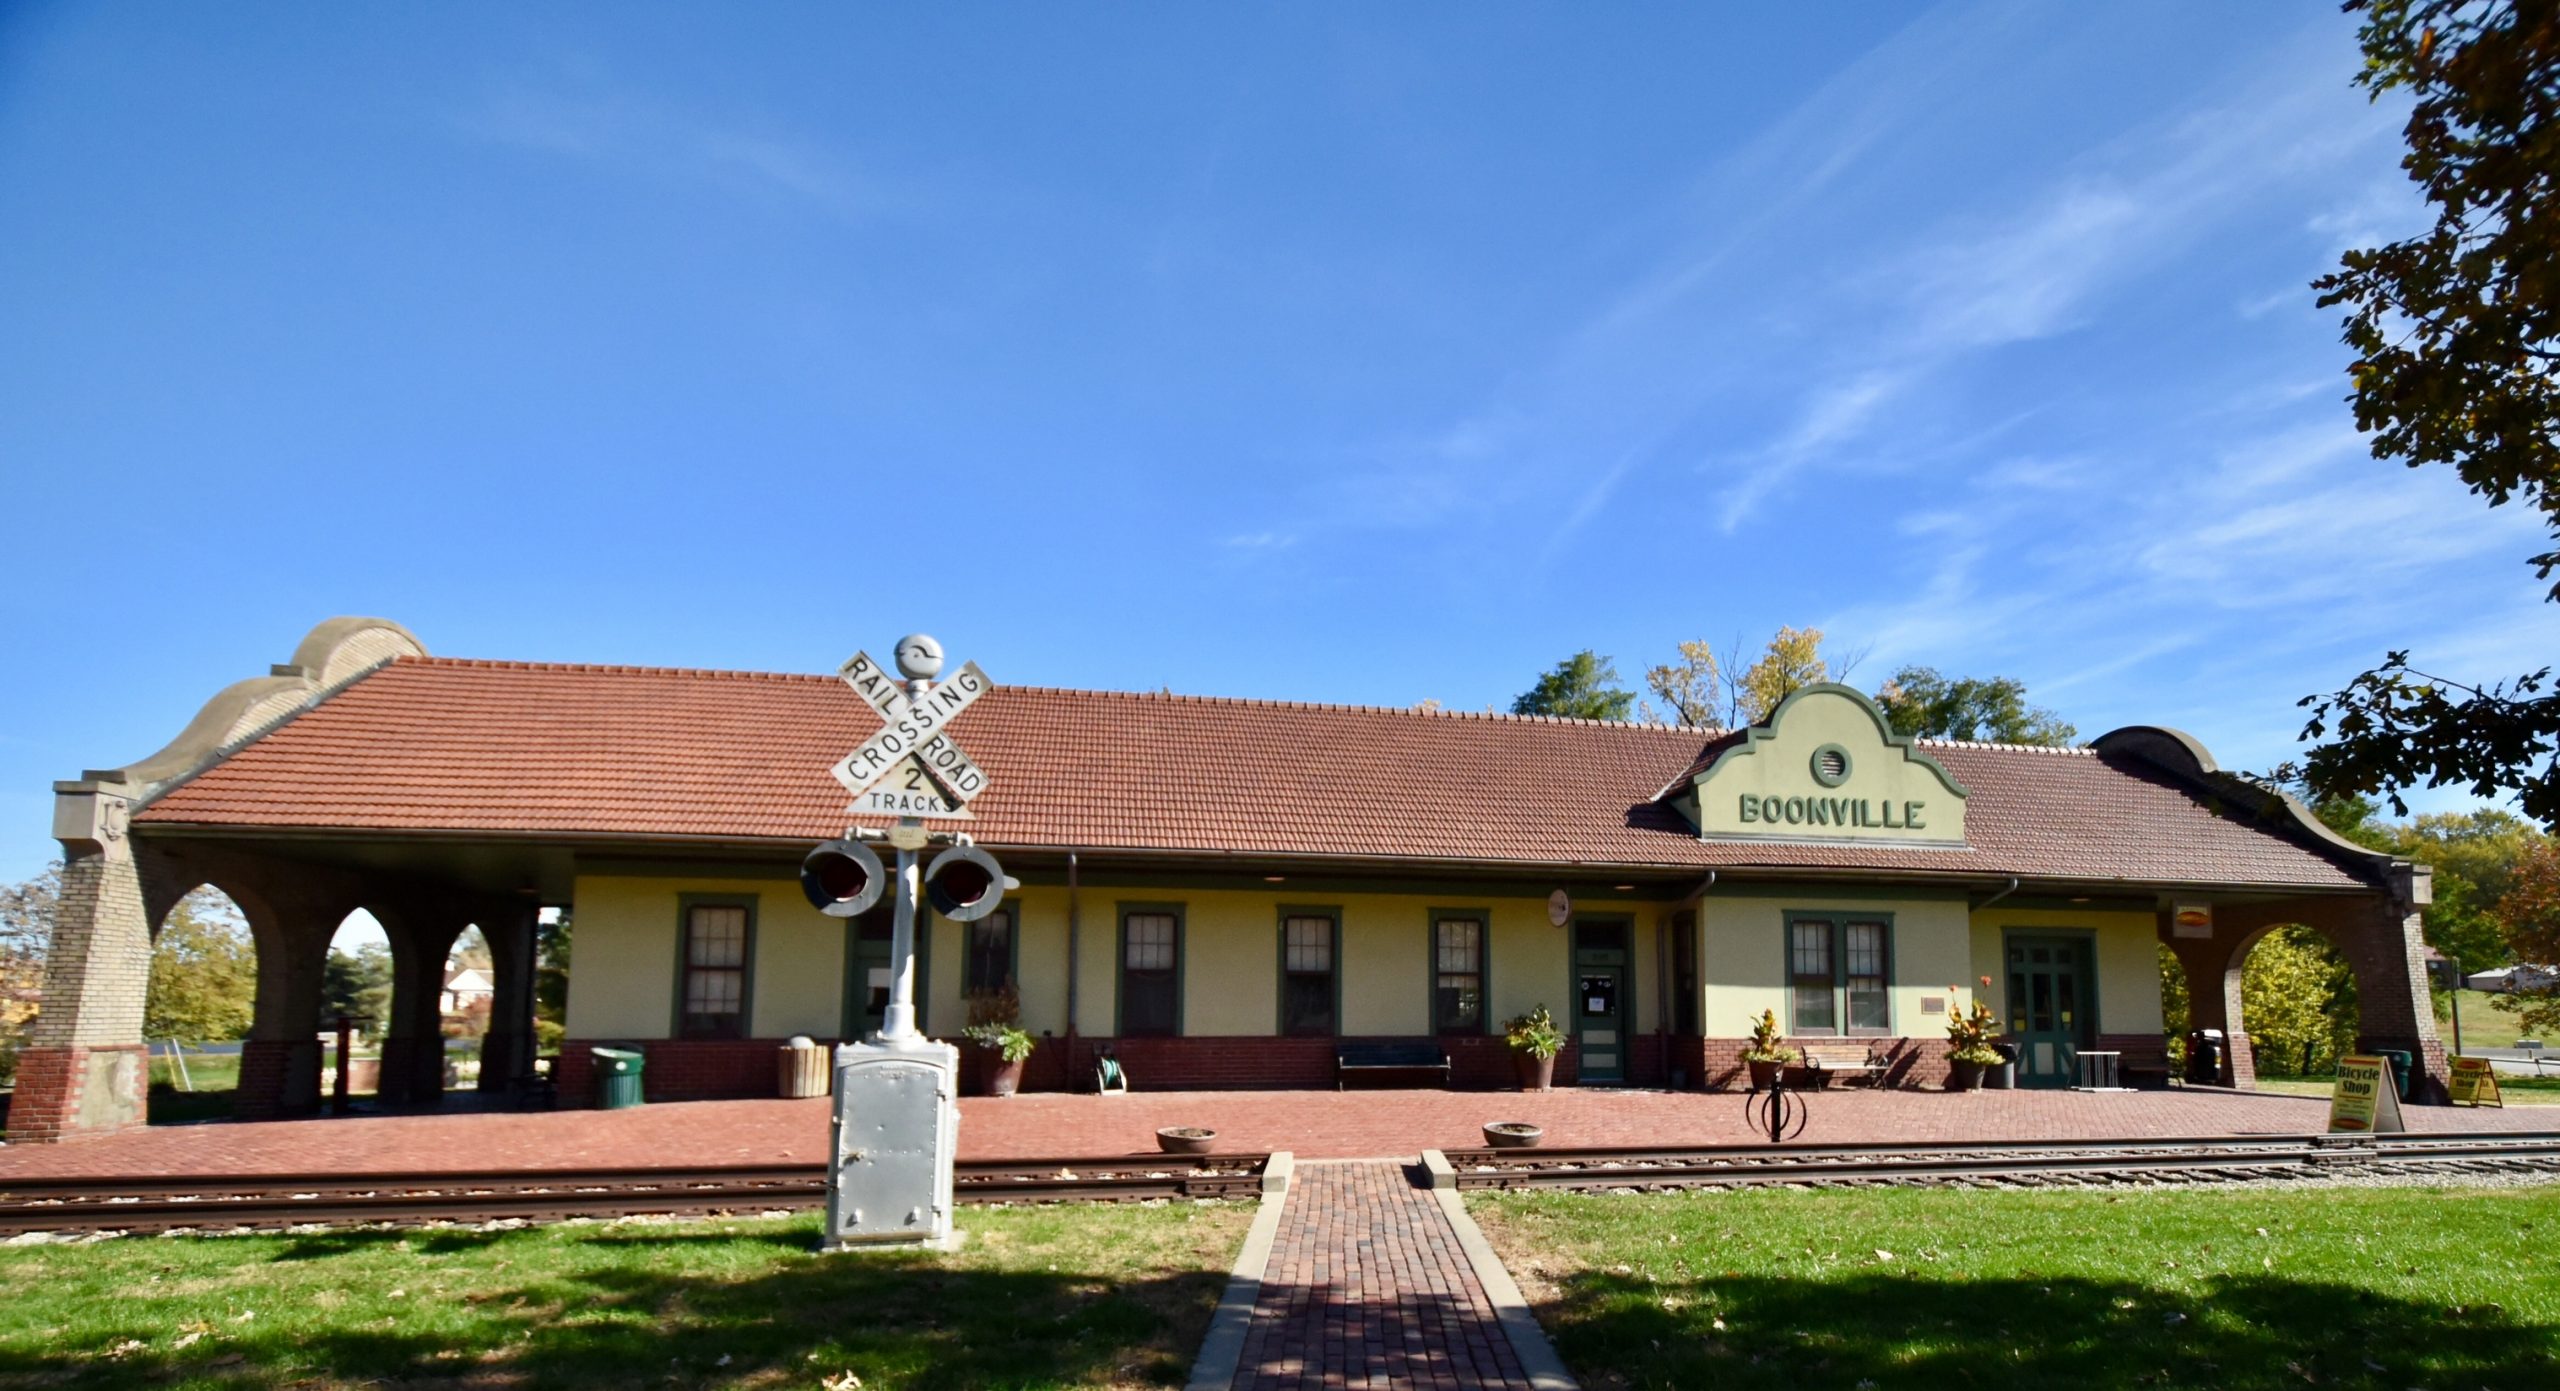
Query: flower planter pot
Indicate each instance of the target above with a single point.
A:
(1004, 1078)
(1536, 1074)
(1963, 1076)
(1513, 1135)
(1185, 1139)
(1765, 1073)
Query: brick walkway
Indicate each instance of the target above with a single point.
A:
(1316, 1125)
(1367, 1287)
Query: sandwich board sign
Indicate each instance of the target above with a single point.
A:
(2474, 1082)
(2365, 1101)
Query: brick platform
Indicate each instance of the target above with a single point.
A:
(1316, 1125)
(1367, 1287)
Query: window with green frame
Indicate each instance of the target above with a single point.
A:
(1458, 969)
(712, 995)
(990, 963)
(1839, 973)
(1308, 943)
(1150, 974)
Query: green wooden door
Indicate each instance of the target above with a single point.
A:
(2051, 989)
(1601, 1003)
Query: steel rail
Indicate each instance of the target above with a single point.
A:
(233, 1202)
(2194, 1160)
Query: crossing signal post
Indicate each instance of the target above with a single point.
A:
(897, 1114)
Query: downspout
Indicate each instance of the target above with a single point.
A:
(1075, 924)
(1995, 898)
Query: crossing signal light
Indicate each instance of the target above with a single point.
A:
(842, 878)
(964, 883)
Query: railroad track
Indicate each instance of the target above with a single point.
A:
(268, 1201)
(2021, 1164)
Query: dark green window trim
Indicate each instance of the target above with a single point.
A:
(1120, 963)
(1013, 952)
(2086, 936)
(685, 904)
(853, 1013)
(1483, 919)
(1836, 920)
(1280, 985)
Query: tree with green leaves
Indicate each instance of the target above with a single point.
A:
(204, 973)
(1583, 686)
(2457, 339)
(1919, 702)
(357, 983)
(2298, 1001)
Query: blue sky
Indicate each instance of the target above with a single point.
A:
(1366, 354)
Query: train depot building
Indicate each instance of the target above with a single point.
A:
(1217, 893)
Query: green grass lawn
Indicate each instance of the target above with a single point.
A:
(2513, 1090)
(1038, 1297)
(216, 1078)
(2382, 1288)
(2483, 1024)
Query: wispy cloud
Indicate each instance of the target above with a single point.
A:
(627, 131)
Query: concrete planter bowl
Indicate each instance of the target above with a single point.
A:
(1512, 1135)
(1185, 1139)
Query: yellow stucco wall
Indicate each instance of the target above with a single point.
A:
(2127, 957)
(1744, 960)
(624, 982)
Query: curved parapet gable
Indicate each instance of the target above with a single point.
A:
(2183, 756)
(332, 655)
(1827, 767)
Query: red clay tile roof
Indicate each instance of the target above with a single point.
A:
(494, 748)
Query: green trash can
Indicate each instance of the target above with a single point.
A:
(2402, 1063)
(617, 1077)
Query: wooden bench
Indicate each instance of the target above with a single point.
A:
(1364, 1059)
(2144, 1065)
(1825, 1059)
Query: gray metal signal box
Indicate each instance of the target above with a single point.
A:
(897, 1123)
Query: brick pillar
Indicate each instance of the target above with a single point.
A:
(422, 939)
(83, 1071)
(2384, 941)
(2213, 995)
(506, 1051)
(280, 1064)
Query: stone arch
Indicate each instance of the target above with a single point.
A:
(2381, 944)
(2266, 1056)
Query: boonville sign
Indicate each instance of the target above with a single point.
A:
(1825, 767)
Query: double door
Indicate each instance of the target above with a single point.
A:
(2052, 988)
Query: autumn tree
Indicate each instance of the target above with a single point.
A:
(2456, 333)
(1583, 686)
(2530, 912)
(204, 973)
(2298, 1001)
(1919, 702)
(26, 928)
(1705, 688)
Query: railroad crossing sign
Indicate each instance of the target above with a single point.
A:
(912, 767)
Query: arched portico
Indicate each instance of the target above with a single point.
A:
(2382, 943)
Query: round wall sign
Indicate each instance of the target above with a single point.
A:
(1831, 765)
(1559, 908)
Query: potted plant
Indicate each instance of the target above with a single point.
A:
(1767, 1057)
(1969, 1034)
(1535, 1041)
(1185, 1139)
(1512, 1135)
(995, 1026)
